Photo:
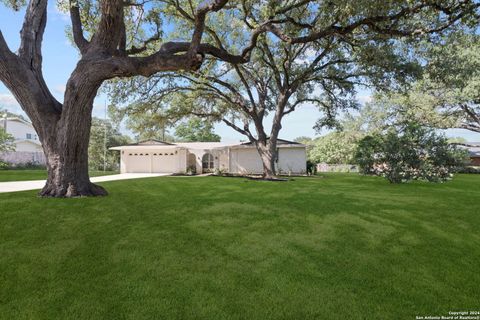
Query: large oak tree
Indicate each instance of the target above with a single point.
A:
(112, 43)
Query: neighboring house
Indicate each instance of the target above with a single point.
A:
(27, 145)
(155, 156)
(473, 149)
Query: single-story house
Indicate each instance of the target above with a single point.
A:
(155, 156)
(473, 149)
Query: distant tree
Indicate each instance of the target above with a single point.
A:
(196, 129)
(145, 122)
(303, 140)
(339, 146)
(334, 148)
(100, 130)
(458, 140)
(410, 153)
(6, 141)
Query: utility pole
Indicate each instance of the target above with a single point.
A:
(5, 118)
(105, 139)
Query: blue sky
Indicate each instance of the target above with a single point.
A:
(59, 59)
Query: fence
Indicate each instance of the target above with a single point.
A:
(22, 157)
(325, 167)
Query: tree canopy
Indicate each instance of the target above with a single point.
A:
(448, 93)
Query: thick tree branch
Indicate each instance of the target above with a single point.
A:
(4, 49)
(245, 131)
(200, 16)
(77, 28)
(32, 33)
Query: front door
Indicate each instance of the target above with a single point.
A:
(207, 163)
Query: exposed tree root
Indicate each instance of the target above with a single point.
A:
(72, 190)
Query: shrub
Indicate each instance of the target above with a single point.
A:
(4, 165)
(311, 168)
(412, 153)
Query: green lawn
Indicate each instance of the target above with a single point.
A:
(337, 247)
(22, 175)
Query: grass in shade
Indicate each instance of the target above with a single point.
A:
(339, 246)
(24, 175)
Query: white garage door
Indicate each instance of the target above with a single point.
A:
(165, 162)
(246, 161)
(292, 160)
(138, 162)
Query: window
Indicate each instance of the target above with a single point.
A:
(207, 162)
(29, 136)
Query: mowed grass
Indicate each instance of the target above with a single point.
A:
(25, 175)
(340, 246)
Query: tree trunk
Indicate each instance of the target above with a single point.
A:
(67, 164)
(65, 141)
(268, 156)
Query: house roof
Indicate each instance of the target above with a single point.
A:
(156, 144)
(279, 142)
(146, 147)
(35, 142)
(473, 148)
(205, 145)
(16, 119)
(150, 142)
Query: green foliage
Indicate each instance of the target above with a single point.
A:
(412, 153)
(6, 141)
(144, 120)
(448, 95)
(334, 148)
(338, 147)
(196, 129)
(15, 5)
(97, 145)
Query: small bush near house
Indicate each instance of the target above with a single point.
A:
(470, 169)
(311, 168)
(4, 165)
(411, 153)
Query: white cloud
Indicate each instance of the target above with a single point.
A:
(8, 102)
(60, 89)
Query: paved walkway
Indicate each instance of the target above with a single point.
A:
(12, 186)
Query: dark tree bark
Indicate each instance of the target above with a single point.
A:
(268, 153)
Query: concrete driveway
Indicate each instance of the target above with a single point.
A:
(13, 186)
